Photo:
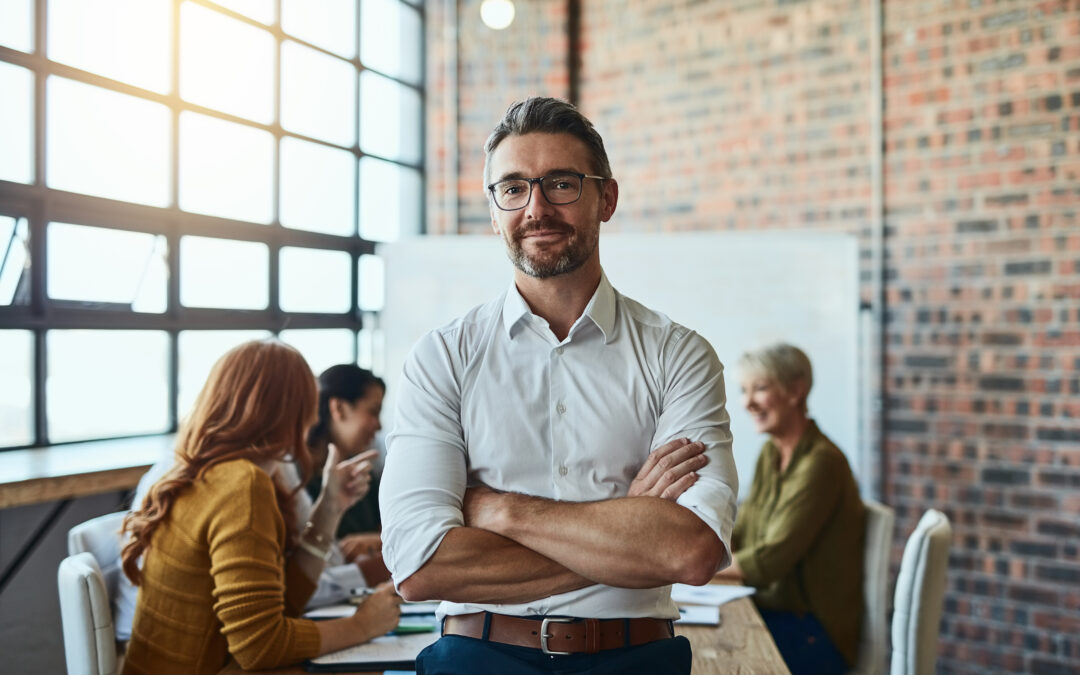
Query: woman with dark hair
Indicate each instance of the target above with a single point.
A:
(224, 570)
(350, 402)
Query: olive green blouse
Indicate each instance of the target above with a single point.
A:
(799, 537)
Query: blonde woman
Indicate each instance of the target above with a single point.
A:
(798, 537)
(224, 573)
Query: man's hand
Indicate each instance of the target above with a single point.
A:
(669, 470)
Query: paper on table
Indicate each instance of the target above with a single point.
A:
(709, 594)
(385, 649)
(699, 615)
(331, 611)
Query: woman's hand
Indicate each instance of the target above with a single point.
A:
(346, 482)
(364, 543)
(379, 613)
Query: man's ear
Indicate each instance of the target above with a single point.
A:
(609, 199)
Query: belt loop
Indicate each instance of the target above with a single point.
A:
(487, 627)
(671, 628)
(626, 632)
(442, 627)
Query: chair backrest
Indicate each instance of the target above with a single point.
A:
(920, 594)
(101, 537)
(89, 638)
(873, 639)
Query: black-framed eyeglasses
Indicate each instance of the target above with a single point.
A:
(558, 188)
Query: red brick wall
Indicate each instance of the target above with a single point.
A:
(982, 152)
(756, 114)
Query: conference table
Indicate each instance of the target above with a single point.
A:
(740, 645)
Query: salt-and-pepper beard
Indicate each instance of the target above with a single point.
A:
(578, 250)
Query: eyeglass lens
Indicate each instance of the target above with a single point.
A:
(559, 188)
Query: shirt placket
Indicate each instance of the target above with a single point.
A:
(560, 421)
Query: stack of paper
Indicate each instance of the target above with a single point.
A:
(700, 605)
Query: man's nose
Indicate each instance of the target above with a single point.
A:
(538, 205)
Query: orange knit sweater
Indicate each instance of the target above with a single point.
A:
(216, 582)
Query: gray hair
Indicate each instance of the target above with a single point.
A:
(550, 116)
(784, 364)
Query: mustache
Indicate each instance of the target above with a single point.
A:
(544, 225)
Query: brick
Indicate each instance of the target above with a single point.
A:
(1006, 476)
(1001, 383)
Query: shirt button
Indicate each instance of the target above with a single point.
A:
(563, 470)
(560, 409)
(558, 350)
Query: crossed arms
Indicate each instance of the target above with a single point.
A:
(516, 548)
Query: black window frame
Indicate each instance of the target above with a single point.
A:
(40, 205)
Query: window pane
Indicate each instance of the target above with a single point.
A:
(322, 348)
(370, 273)
(318, 186)
(197, 351)
(330, 24)
(370, 347)
(314, 280)
(318, 95)
(107, 144)
(14, 261)
(223, 273)
(96, 264)
(390, 199)
(17, 28)
(126, 40)
(16, 123)
(226, 169)
(390, 35)
(260, 10)
(17, 394)
(106, 383)
(226, 64)
(389, 118)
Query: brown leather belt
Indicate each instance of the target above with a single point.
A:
(558, 635)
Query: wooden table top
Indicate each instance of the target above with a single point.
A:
(35, 475)
(740, 645)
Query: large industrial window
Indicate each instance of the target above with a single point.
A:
(177, 176)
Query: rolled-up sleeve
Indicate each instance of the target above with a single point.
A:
(694, 406)
(424, 477)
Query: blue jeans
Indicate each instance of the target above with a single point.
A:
(804, 644)
(458, 655)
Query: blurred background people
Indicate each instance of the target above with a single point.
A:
(225, 566)
(350, 402)
(798, 537)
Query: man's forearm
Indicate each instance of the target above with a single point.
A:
(638, 542)
(474, 565)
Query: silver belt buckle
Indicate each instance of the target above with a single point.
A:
(544, 634)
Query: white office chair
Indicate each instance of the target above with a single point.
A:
(920, 594)
(89, 636)
(876, 550)
(101, 537)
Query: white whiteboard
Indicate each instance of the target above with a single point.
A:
(738, 290)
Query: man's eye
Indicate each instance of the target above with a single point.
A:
(511, 189)
(561, 185)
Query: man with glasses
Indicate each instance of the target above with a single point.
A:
(519, 485)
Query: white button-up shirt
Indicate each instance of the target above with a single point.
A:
(494, 398)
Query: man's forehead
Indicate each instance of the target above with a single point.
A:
(528, 153)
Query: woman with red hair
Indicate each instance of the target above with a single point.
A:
(224, 571)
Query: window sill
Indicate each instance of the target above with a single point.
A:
(55, 472)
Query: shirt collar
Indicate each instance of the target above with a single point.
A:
(600, 310)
